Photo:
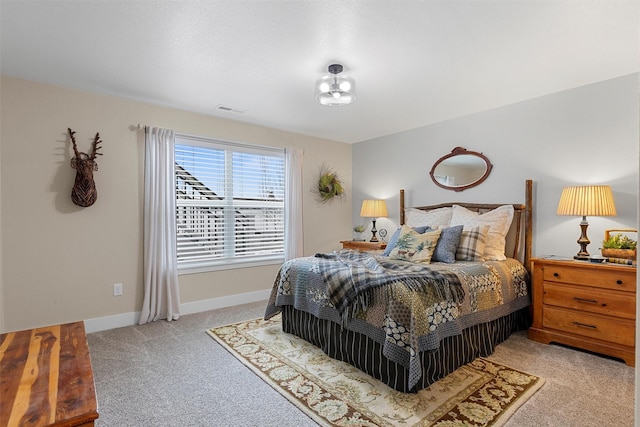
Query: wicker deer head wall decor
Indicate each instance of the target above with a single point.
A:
(84, 191)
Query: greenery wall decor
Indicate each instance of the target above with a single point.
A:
(329, 185)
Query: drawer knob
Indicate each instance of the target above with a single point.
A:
(619, 282)
(556, 275)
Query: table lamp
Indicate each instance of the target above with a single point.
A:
(587, 200)
(374, 209)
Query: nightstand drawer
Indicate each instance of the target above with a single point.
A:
(593, 300)
(619, 331)
(620, 280)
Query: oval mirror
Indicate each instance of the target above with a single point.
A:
(460, 169)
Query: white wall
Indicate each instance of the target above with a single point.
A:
(60, 261)
(2, 298)
(586, 135)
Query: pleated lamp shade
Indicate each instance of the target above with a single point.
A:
(374, 209)
(587, 200)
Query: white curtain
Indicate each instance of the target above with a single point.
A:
(161, 293)
(293, 230)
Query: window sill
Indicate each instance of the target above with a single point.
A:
(228, 264)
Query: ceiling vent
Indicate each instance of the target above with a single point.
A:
(228, 109)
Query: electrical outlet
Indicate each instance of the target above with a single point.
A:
(117, 289)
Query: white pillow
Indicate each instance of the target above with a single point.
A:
(499, 220)
(435, 218)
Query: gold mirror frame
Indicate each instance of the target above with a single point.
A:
(476, 180)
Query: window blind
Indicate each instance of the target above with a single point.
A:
(230, 202)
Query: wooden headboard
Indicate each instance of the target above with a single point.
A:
(520, 235)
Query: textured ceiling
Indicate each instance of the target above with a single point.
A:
(414, 62)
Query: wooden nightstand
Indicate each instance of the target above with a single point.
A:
(585, 305)
(363, 246)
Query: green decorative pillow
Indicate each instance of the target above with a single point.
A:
(394, 238)
(472, 243)
(415, 247)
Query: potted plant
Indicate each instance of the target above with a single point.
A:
(619, 246)
(358, 230)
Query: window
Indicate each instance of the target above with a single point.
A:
(229, 204)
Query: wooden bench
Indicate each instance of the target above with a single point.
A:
(46, 378)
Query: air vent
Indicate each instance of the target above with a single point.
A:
(228, 109)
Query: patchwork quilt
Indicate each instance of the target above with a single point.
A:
(407, 307)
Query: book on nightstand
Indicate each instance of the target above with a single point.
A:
(622, 261)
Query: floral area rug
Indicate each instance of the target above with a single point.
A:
(334, 393)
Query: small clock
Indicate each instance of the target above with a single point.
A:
(383, 234)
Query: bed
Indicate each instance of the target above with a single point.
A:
(416, 313)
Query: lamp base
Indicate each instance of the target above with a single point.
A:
(373, 232)
(583, 241)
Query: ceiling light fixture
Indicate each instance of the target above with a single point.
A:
(334, 90)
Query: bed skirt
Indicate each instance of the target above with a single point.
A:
(365, 354)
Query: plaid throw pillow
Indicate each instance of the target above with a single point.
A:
(472, 242)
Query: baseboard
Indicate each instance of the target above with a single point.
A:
(111, 322)
(228, 301)
(129, 319)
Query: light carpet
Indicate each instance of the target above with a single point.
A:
(333, 393)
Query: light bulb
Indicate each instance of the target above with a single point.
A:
(345, 86)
